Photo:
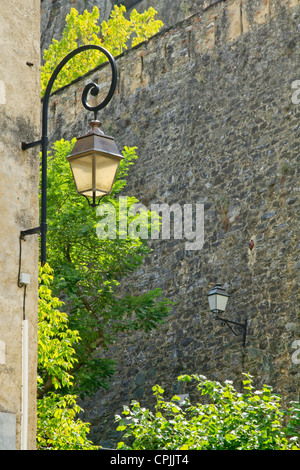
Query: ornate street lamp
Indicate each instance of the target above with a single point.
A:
(95, 157)
(94, 161)
(217, 299)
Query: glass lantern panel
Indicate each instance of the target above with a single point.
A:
(212, 300)
(82, 172)
(106, 167)
(221, 302)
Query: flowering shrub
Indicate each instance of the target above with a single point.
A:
(230, 420)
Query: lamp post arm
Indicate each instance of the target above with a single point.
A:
(242, 326)
(94, 89)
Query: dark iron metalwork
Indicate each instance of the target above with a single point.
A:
(93, 88)
(242, 327)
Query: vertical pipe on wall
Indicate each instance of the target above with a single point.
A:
(24, 409)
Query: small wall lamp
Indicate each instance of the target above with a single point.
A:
(94, 159)
(217, 299)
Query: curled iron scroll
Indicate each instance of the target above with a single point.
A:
(93, 88)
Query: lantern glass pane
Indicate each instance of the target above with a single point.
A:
(106, 167)
(212, 300)
(82, 172)
(221, 302)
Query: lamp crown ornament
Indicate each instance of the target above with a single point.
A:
(95, 125)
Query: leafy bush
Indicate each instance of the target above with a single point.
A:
(228, 420)
(58, 425)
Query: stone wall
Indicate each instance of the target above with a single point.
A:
(169, 12)
(54, 12)
(211, 105)
(19, 177)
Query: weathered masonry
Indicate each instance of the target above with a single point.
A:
(212, 104)
(19, 178)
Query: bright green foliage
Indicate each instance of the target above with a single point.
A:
(88, 271)
(293, 425)
(228, 420)
(55, 339)
(58, 427)
(114, 35)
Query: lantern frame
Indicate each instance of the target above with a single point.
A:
(96, 146)
(218, 298)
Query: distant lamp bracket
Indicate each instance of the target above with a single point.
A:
(237, 329)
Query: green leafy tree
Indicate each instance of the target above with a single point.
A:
(114, 35)
(227, 420)
(89, 271)
(58, 425)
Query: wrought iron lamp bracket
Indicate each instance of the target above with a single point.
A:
(237, 328)
(93, 88)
